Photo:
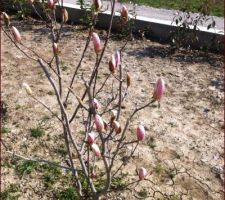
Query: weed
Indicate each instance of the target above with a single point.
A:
(51, 176)
(18, 107)
(192, 5)
(151, 143)
(174, 197)
(37, 132)
(8, 194)
(62, 150)
(67, 194)
(82, 132)
(143, 193)
(25, 167)
(5, 130)
(45, 118)
(50, 93)
(118, 183)
(158, 169)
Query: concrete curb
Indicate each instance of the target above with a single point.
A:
(158, 30)
(155, 29)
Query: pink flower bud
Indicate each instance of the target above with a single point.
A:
(96, 42)
(97, 4)
(55, 48)
(113, 115)
(96, 104)
(140, 133)
(142, 173)
(91, 138)
(99, 123)
(6, 19)
(105, 125)
(96, 150)
(27, 88)
(159, 89)
(118, 59)
(112, 64)
(128, 80)
(93, 175)
(65, 15)
(51, 4)
(30, 2)
(124, 13)
(117, 127)
(16, 34)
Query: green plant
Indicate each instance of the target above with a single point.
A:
(151, 143)
(50, 93)
(9, 193)
(25, 167)
(37, 132)
(186, 35)
(174, 197)
(217, 8)
(67, 194)
(158, 168)
(118, 183)
(62, 150)
(143, 193)
(51, 175)
(5, 130)
(18, 107)
(21, 8)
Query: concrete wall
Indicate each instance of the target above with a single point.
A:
(157, 30)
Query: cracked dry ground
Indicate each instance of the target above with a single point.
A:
(183, 150)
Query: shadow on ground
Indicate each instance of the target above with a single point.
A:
(179, 55)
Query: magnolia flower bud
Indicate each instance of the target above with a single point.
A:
(97, 4)
(93, 175)
(96, 104)
(99, 123)
(128, 80)
(113, 115)
(16, 34)
(27, 88)
(124, 13)
(55, 48)
(112, 64)
(91, 138)
(142, 173)
(65, 15)
(159, 89)
(96, 150)
(117, 127)
(96, 42)
(118, 59)
(30, 2)
(105, 125)
(6, 19)
(51, 4)
(140, 133)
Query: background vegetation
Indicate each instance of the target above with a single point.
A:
(216, 6)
